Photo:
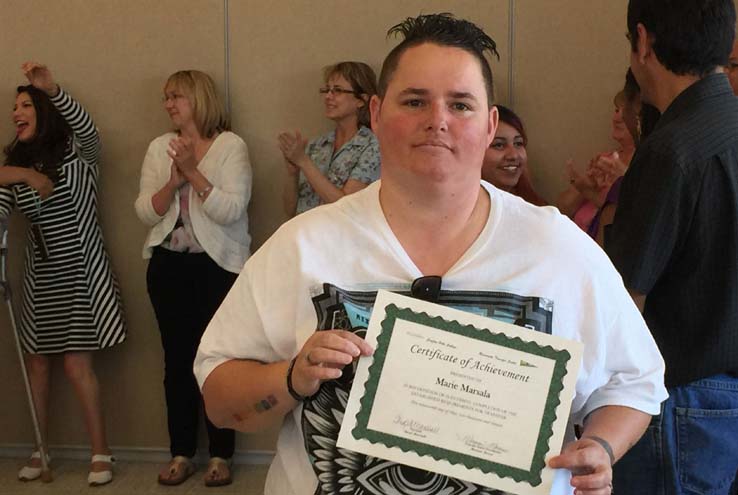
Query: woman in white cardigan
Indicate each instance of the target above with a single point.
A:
(194, 192)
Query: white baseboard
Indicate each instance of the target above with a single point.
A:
(129, 454)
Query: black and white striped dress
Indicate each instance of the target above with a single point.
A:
(71, 300)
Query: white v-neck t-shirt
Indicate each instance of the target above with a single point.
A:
(529, 266)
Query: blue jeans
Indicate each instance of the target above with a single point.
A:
(690, 448)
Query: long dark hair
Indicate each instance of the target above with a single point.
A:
(52, 139)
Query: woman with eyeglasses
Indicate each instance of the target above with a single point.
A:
(194, 192)
(344, 160)
(71, 302)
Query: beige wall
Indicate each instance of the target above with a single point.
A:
(114, 58)
(570, 61)
(276, 62)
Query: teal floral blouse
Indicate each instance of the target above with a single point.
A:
(357, 159)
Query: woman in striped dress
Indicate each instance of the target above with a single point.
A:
(71, 302)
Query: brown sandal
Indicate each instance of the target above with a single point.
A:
(218, 472)
(180, 468)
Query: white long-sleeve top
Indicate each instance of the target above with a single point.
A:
(220, 222)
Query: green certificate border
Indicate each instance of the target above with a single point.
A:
(560, 358)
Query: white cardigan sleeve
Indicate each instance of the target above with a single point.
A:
(149, 185)
(232, 187)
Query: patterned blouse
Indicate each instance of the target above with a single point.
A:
(183, 239)
(357, 159)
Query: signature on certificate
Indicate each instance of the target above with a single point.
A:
(416, 426)
(481, 446)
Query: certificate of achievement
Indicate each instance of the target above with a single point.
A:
(461, 394)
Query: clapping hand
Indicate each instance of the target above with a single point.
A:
(609, 167)
(176, 179)
(292, 169)
(587, 183)
(182, 152)
(40, 77)
(583, 182)
(292, 147)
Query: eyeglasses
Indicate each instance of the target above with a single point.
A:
(336, 90)
(172, 97)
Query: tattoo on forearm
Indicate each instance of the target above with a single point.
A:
(265, 404)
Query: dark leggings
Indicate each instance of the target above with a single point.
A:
(185, 291)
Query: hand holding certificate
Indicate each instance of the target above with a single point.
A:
(460, 394)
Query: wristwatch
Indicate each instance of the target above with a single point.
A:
(201, 194)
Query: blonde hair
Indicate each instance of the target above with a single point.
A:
(207, 109)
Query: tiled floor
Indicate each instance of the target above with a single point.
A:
(131, 478)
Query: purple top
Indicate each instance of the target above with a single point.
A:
(611, 198)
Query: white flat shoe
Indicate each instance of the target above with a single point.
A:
(97, 478)
(30, 473)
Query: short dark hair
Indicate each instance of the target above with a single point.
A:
(689, 37)
(511, 118)
(445, 30)
(363, 81)
(51, 141)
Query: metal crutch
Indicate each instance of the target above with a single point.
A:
(46, 476)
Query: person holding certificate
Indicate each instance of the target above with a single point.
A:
(282, 347)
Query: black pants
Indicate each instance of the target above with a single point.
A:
(185, 291)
